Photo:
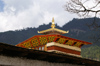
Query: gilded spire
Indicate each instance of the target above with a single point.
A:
(53, 24)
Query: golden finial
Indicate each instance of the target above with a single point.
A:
(53, 19)
(53, 24)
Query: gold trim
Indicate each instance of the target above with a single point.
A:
(53, 23)
(53, 29)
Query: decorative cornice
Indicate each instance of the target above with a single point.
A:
(63, 46)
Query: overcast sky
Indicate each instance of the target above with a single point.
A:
(19, 14)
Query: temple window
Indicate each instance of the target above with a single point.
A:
(39, 48)
(43, 48)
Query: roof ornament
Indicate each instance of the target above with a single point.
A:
(53, 30)
(53, 24)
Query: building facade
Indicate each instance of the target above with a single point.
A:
(53, 41)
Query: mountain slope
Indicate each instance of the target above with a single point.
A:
(77, 29)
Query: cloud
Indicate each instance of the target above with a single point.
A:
(20, 14)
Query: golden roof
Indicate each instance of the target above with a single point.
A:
(53, 29)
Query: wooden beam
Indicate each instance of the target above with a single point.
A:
(38, 40)
(73, 43)
(81, 45)
(56, 39)
(47, 39)
(65, 41)
(74, 39)
(31, 44)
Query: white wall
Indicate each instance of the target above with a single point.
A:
(26, 62)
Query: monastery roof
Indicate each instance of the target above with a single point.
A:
(14, 51)
(53, 29)
(39, 40)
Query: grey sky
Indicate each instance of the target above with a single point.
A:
(18, 14)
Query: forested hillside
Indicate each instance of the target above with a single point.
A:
(92, 52)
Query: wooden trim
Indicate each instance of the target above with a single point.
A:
(58, 36)
(63, 50)
(47, 39)
(81, 45)
(63, 46)
(65, 41)
(56, 39)
(38, 41)
(73, 43)
(76, 40)
(31, 43)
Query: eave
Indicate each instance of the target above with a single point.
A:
(38, 41)
(53, 29)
